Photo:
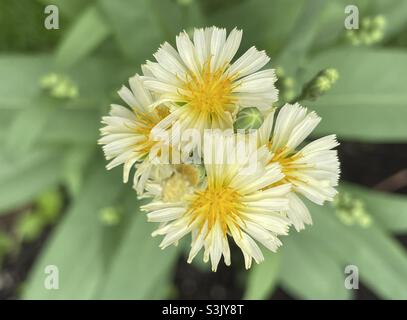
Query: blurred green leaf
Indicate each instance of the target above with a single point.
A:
(331, 23)
(366, 103)
(18, 72)
(22, 27)
(29, 226)
(76, 162)
(382, 261)
(76, 246)
(173, 17)
(49, 204)
(309, 272)
(388, 210)
(301, 36)
(27, 126)
(24, 178)
(264, 15)
(395, 13)
(263, 277)
(69, 8)
(140, 265)
(136, 28)
(77, 43)
(19, 76)
(7, 116)
(72, 126)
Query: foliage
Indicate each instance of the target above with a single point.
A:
(49, 141)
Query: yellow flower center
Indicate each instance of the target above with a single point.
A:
(287, 159)
(146, 123)
(216, 204)
(209, 92)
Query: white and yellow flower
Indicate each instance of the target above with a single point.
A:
(126, 136)
(313, 170)
(229, 203)
(202, 86)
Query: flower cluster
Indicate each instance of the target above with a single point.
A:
(205, 175)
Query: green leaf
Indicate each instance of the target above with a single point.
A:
(24, 178)
(69, 8)
(7, 116)
(26, 128)
(265, 15)
(388, 210)
(136, 29)
(77, 43)
(263, 277)
(96, 79)
(77, 248)
(72, 126)
(77, 160)
(19, 79)
(382, 261)
(301, 38)
(310, 272)
(366, 103)
(395, 13)
(140, 266)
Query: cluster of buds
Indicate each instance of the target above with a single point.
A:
(351, 211)
(371, 31)
(319, 85)
(59, 86)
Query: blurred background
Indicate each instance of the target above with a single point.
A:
(60, 207)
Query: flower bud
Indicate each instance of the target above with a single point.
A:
(320, 84)
(110, 216)
(59, 86)
(249, 118)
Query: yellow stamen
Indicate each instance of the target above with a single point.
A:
(216, 204)
(209, 92)
(146, 123)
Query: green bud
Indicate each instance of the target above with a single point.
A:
(320, 84)
(249, 118)
(351, 211)
(379, 21)
(371, 31)
(323, 84)
(289, 95)
(110, 216)
(345, 217)
(365, 221)
(376, 36)
(332, 74)
(59, 86)
(280, 72)
(288, 82)
(49, 205)
(29, 226)
(49, 80)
